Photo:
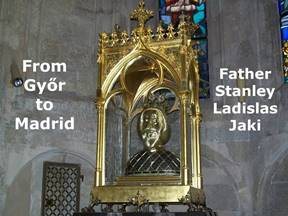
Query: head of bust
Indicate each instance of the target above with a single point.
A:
(153, 129)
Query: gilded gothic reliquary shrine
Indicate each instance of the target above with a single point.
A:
(150, 78)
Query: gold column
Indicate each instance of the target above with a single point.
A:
(100, 153)
(184, 163)
(195, 120)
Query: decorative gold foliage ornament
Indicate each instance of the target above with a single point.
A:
(138, 200)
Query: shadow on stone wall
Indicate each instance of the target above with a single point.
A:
(221, 188)
(24, 193)
(273, 185)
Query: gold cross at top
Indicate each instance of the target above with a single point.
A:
(141, 14)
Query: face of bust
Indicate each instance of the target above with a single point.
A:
(151, 129)
(152, 123)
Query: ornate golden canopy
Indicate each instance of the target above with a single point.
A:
(132, 66)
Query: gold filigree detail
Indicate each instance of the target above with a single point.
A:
(111, 60)
(183, 24)
(134, 35)
(141, 14)
(114, 38)
(173, 56)
(285, 49)
(194, 54)
(285, 59)
(170, 33)
(116, 35)
(138, 200)
(124, 38)
(160, 32)
(103, 39)
(149, 33)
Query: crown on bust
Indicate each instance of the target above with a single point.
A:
(156, 101)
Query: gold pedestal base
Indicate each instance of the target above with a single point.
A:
(154, 194)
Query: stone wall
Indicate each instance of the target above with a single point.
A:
(244, 173)
(239, 167)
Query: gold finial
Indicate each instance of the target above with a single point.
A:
(141, 14)
(160, 32)
(170, 33)
(183, 17)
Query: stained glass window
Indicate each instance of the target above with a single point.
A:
(170, 11)
(283, 10)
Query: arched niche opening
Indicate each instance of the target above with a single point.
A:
(139, 79)
(24, 194)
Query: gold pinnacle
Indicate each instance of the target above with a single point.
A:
(141, 14)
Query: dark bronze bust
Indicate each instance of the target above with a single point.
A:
(154, 159)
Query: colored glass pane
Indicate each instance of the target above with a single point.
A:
(203, 67)
(283, 10)
(170, 11)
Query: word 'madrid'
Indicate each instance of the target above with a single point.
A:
(244, 108)
(40, 87)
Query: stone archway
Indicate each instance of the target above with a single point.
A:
(24, 193)
(273, 190)
(220, 188)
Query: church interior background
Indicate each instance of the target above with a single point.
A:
(244, 173)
